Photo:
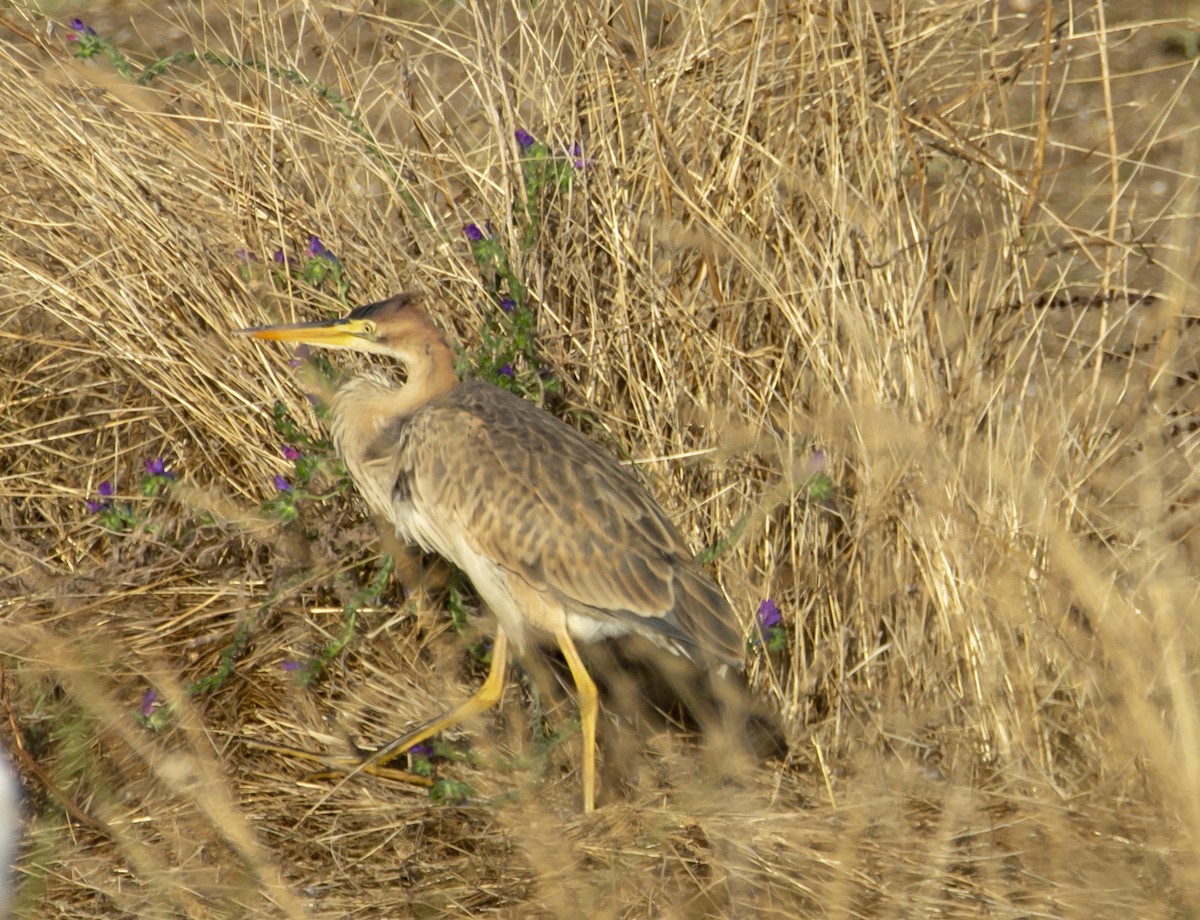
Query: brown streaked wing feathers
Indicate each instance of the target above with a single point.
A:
(554, 508)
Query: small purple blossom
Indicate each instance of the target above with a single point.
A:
(474, 234)
(282, 484)
(106, 493)
(78, 25)
(290, 666)
(157, 478)
(577, 153)
(299, 356)
(245, 256)
(290, 453)
(506, 371)
(525, 139)
(149, 703)
(316, 249)
(421, 750)
(157, 466)
(768, 615)
(507, 304)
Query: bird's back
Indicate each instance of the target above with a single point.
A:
(484, 474)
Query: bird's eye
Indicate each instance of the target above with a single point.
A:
(369, 328)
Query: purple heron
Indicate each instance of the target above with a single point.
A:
(560, 540)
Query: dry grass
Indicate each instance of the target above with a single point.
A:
(941, 245)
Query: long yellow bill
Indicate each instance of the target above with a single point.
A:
(343, 332)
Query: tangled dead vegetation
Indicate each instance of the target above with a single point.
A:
(940, 254)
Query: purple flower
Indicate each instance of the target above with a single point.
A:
(282, 484)
(577, 160)
(507, 304)
(474, 234)
(299, 356)
(157, 466)
(290, 453)
(505, 371)
(421, 750)
(769, 615)
(106, 494)
(316, 250)
(290, 666)
(245, 256)
(78, 25)
(525, 139)
(149, 703)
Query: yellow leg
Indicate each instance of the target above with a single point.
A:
(589, 708)
(375, 762)
(484, 699)
(335, 765)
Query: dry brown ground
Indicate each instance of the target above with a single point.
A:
(951, 245)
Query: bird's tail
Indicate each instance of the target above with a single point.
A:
(643, 682)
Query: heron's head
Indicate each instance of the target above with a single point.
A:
(392, 327)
